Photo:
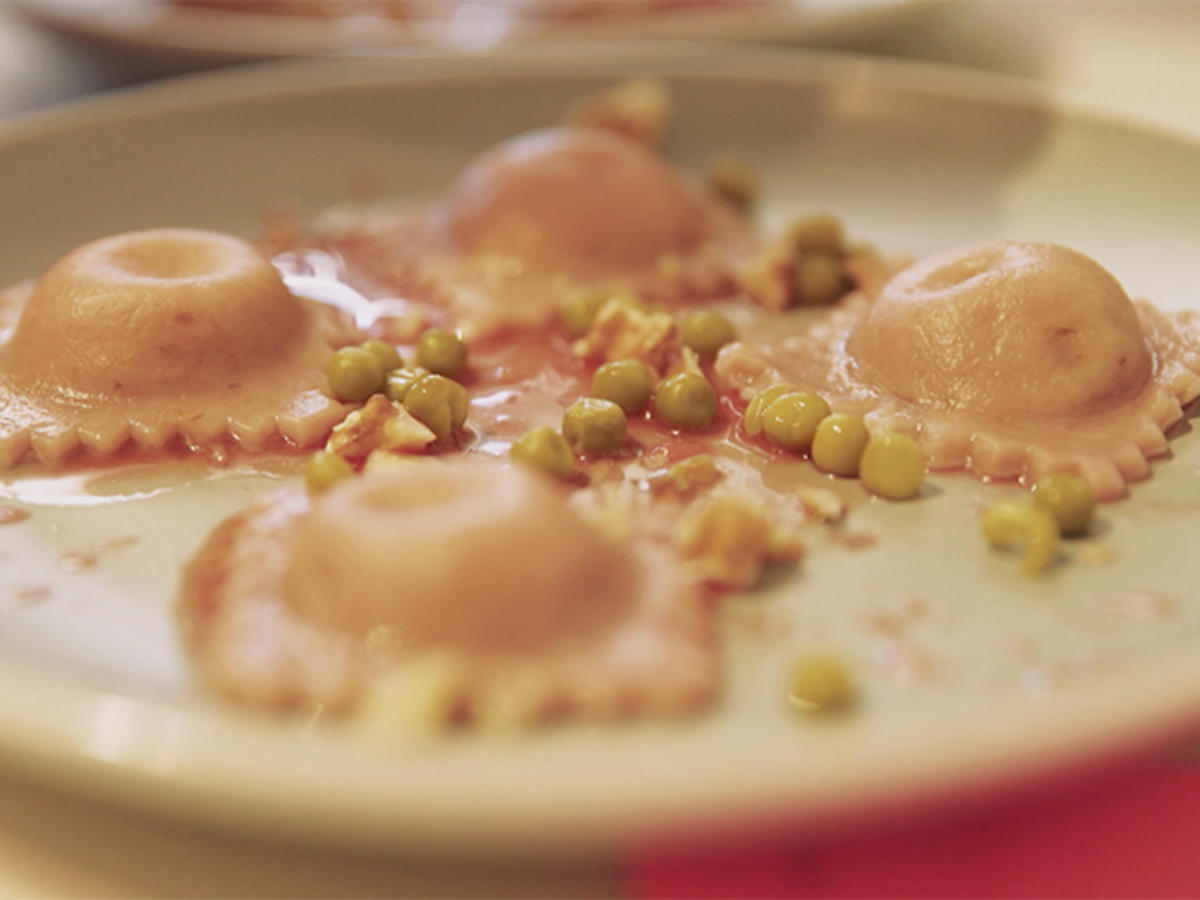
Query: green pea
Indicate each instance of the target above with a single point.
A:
(892, 466)
(354, 374)
(545, 449)
(821, 684)
(685, 400)
(734, 182)
(594, 426)
(818, 279)
(706, 332)
(399, 382)
(388, 355)
(839, 443)
(439, 403)
(791, 420)
(1030, 527)
(442, 352)
(626, 382)
(325, 469)
(817, 234)
(580, 310)
(752, 418)
(1070, 499)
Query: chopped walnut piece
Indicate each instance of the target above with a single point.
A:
(689, 361)
(687, 476)
(379, 425)
(419, 698)
(10, 515)
(639, 108)
(731, 538)
(822, 504)
(767, 277)
(623, 331)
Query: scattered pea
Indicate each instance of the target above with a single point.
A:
(594, 426)
(1031, 526)
(399, 382)
(706, 332)
(734, 182)
(442, 352)
(752, 418)
(892, 466)
(817, 234)
(438, 402)
(685, 400)
(790, 421)
(580, 310)
(821, 684)
(546, 449)
(818, 279)
(388, 355)
(354, 374)
(838, 444)
(325, 469)
(1071, 501)
(626, 382)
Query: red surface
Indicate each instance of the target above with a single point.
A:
(1135, 837)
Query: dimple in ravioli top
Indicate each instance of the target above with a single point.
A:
(1012, 330)
(148, 335)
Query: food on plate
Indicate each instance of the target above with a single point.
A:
(1070, 499)
(583, 398)
(820, 683)
(1009, 360)
(564, 213)
(153, 337)
(302, 600)
(1026, 526)
(892, 466)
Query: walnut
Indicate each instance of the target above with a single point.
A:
(419, 698)
(767, 277)
(622, 330)
(687, 476)
(639, 108)
(689, 361)
(731, 538)
(822, 505)
(379, 425)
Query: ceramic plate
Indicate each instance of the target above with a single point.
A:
(974, 676)
(175, 33)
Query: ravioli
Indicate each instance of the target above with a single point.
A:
(552, 211)
(1009, 360)
(147, 337)
(298, 602)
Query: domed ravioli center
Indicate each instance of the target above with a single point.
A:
(461, 554)
(1017, 331)
(574, 201)
(153, 313)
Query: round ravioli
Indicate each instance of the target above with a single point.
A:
(1010, 360)
(549, 212)
(297, 601)
(148, 336)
